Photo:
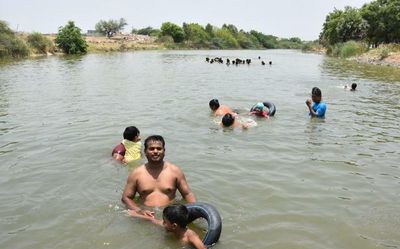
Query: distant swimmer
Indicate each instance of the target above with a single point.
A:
(316, 107)
(352, 88)
(130, 148)
(217, 109)
(270, 63)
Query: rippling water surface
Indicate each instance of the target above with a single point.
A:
(290, 182)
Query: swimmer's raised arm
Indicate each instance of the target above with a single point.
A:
(309, 105)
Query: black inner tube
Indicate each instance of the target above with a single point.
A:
(210, 213)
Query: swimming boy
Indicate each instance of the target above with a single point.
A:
(316, 106)
(259, 110)
(175, 220)
(130, 148)
(217, 109)
(230, 121)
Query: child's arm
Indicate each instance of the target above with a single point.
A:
(196, 241)
(135, 214)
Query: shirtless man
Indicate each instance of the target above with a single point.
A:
(217, 109)
(156, 181)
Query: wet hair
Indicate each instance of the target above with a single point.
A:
(228, 120)
(153, 138)
(354, 86)
(214, 104)
(177, 213)
(130, 133)
(316, 92)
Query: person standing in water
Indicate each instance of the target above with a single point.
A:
(156, 181)
(316, 107)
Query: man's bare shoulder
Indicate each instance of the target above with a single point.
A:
(138, 171)
(172, 167)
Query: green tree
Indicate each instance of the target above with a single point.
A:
(110, 27)
(231, 28)
(147, 31)
(173, 30)
(196, 35)
(210, 30)
(330, 32)
(70, 40)
(267, 41)
(383, 21)
(224, 39)
(342, 26)
(247, 41)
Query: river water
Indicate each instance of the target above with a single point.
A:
(290, 182)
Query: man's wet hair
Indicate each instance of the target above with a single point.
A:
(316, 92)
(153, 138)
(214, 104)
(228, 120)
(130, 133)
(177, 213)
(354, 86)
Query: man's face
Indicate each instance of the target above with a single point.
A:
(316, 98)
(155, 151)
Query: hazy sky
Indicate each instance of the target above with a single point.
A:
(282, 18)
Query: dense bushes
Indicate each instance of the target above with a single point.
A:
(347, 49)
(10, 44)
(40, 43)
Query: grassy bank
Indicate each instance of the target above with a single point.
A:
(384, 54)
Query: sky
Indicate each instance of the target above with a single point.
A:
(281, 18)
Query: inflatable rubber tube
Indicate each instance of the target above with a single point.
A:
(271, 107)
(210, 213)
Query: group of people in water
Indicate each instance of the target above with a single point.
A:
(236, 61)
(157, 181)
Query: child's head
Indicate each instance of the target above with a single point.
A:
(228, 120)
(175, 217)
(132, 133)
(316, 95)
(214, 104)
(259, 108)
(353, 86)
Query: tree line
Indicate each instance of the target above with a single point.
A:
(194, 35)
(375, 23)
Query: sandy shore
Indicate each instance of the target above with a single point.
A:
(392, 59)
(122, 43)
